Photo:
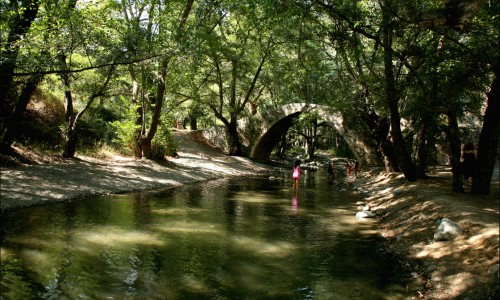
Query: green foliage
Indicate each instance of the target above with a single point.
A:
(163, 144)
(126, 135)
(43, 119)
(324, 52)
(97, 128)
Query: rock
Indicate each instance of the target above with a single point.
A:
(431, 268)
(365, 214)
(397, 192)
(494, 269)
(447, 230)
(367, 208)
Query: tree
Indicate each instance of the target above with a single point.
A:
(153, 37)
(84, 44)
(383, 39)
(488, 140)
(472, 22)
(307, 126)
(237, 45)
(19, 16)
(147, 135)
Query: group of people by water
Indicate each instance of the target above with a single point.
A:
(351, 168)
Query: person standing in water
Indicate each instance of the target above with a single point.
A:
(296, 175)
(356, 168)
(330, 171)
(348, 168)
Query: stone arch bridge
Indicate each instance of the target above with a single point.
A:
(261, 133)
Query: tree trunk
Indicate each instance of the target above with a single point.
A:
(234, 140)
(139, 113)
(193, 122)
(147, 138)
(454, 139)
(10, 113)
(146, 147)
(71, 139)
(390, 161)
(422, 149)
(70, 134)
(19, 27)
(381, 136)
(488, 140)
(11, 121)
(404, 160)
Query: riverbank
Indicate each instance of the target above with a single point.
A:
(84, 177)
(465, 268)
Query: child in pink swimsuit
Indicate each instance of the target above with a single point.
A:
(296, 175)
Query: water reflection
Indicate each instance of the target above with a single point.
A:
(219, 240)
(295, 202)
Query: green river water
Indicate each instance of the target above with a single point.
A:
(248, 238)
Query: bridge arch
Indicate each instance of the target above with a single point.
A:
(261, 133)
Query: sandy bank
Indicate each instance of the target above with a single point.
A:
(84, 177)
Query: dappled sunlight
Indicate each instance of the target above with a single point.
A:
(112, 235)
(277, 249)
(39, 262)
(177, 211)
(486, 237)
(252, 197)
(478, 242)
(32, 241)
(461, 281)
(5, 253)
(192, 227)
(434, 250)
(490, 210)
(194, 284)
(333, 288)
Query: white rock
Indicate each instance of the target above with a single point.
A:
(447, 230)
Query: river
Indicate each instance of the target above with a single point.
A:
(247, 238)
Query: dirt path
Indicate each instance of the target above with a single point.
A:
(464, 268)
